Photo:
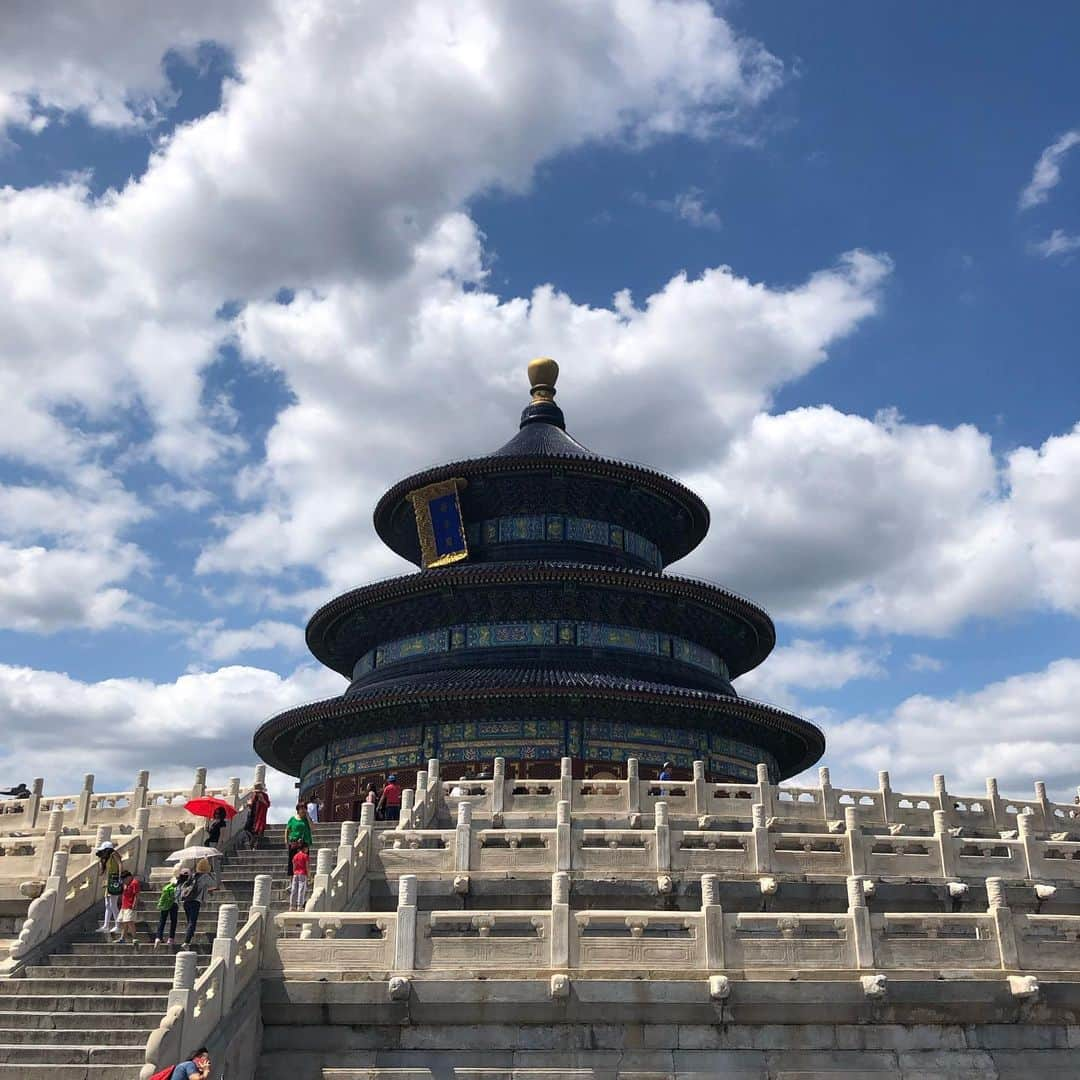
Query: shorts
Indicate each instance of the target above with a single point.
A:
(126, 915)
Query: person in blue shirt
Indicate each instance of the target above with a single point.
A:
(198, 1068)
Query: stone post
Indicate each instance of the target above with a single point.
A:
(855, 841)
(33, 804)
(408, 804)
(50, 842)
(261, 895)
(566, 781)
(1044, 804)
(104, 832)
(830, 809)
(233, 793)
(345, 853)
(420, 811)
(57, 884)
(760, 840)
(82, 808)
(701, 795)
(463, 838)
(324, 867)
(860, 921)
(766, 797)
(885, 793)
(225, 947)
(498, 786)
(562, 835)
(198, 787)
(405, 939)
(633, 786)
(941, 795)
(260, 776)
(141, 791)
(713, 917)
(142, 839)
(946, 846)
(1004, 929)
(662, 832)
(180, 996)
(1031, 853)
(434, 788)
(367, 825)
(560, 920)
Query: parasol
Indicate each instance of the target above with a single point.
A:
(207, 804)
(193, 852)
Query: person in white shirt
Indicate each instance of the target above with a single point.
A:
(313, 811)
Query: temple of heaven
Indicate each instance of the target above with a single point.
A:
(541, 625)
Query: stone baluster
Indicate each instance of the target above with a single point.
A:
(405, 940)
(941, 796)
(33, 804)
(860, 920)
(103, 833)
(633, 786)
(566, 781)
(140, 793)
(830, 808)
(420, 810)
(463, 838)
(946, 844)
(662, 831)
(1044, 805)
(408, 804)
(224, 948)
(261, 894)
(1026, 831)
(713, 917)
(562, 835)
(142, 841)
(49, 844)
(198, 787)
(185, 969)
(346, 842)
(1004, 928)
(498, 786)
(855, 841)
(435, 787)
(57, 884)
(261, 897)
(766, 795)
(560, 919)
(260, 776)
(233, 791)
(760, 840)
(701, 795)
(885, 792)
(994, 800)
(82, 808)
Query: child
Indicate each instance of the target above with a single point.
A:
(129, 900)
(298, 886)
(169, 908)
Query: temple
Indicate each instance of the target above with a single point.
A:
(542, 625)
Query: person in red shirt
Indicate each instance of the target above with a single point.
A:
(298, 885)
(129, 900)
(390, 800)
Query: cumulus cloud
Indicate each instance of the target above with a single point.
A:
(219, 643)
(1020, 728)
(1047, 172)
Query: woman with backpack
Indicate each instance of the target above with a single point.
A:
(168, 908)
(193, 895)
(111, 866)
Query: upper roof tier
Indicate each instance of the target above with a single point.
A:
(543, 495)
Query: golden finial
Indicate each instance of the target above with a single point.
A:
(543, 371)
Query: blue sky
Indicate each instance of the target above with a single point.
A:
(782, 251)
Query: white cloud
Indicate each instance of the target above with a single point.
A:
(922, 662)
(688, 206)
(1058, 242)
(219, 643)
(1019, 729)
(1047, 172)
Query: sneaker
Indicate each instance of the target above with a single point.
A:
(157, 942)
(103, 929)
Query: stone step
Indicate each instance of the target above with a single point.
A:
(88, 1036)
(135, 1001)
(14, 989)
(135, 969)
(162, 956)
(72, 1055)
(98, 947)
(66, 1072)
(94, 1022)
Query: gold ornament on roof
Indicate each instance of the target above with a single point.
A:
(543, 372)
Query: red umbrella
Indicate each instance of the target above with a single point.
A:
(206, 806)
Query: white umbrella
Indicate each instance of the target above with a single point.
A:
(193, 852)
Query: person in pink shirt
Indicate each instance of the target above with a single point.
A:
(129, 901)
(298, 885)
(390, 800)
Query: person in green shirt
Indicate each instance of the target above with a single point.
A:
(297, 832)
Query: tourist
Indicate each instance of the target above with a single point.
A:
(297, 831)
(193, 895)
(313, 810)
(215, 826)
(198, 1068)
(168, 908)
(390, 800)
(298, 885)
(111, 867)
(129, 901)
(371, 796)
(258, 805)
(19, 791)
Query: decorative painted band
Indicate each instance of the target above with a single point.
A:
(498, 635)
(557, 528)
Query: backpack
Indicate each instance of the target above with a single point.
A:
(168, 897)
(165, 1074)
(187, 892)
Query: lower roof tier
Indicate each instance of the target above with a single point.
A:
(478, 695)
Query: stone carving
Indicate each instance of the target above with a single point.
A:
(874, 986)
(559, 987)
(399, 988)
(1023, 986)
(719, 987)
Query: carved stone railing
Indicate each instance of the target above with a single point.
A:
(520, 802)
(708, 939)
(199, 1004)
